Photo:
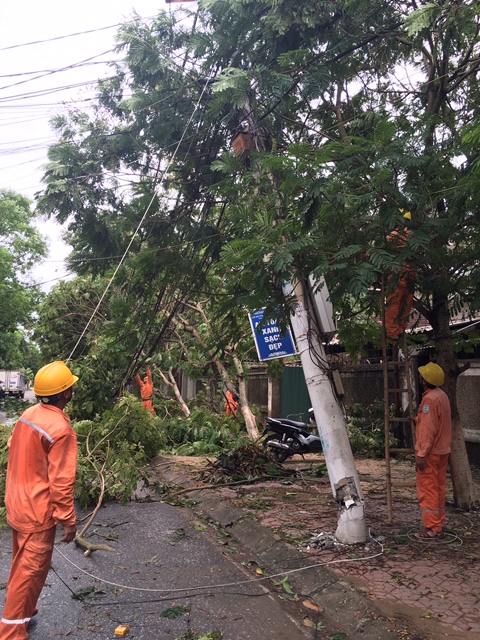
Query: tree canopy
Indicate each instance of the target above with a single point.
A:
(355, 111)
(21, 247)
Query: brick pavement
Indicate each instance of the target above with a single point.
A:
(438, 589)
(435, 579)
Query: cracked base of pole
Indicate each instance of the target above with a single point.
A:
(351, 527)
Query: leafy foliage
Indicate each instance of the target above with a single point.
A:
(202, 433)
(366, 429)
(117, 447)
(5, 433)
(355, 112)
(21, 247)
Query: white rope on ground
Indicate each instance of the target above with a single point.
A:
(450, 538)
(228, 584)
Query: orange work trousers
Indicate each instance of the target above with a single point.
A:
(431, 489)
(31, 558)
(398, 307)
(148, 405)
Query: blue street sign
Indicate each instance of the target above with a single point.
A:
(268, 338)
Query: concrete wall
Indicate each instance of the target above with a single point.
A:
(468, 395)
(363, 384)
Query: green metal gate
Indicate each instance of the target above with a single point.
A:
(294, 399)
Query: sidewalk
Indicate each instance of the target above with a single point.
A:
(395, 586)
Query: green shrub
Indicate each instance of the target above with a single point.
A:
(202, 433)
(13, 407)
(366, 429)
(116, 446)
(5, 433)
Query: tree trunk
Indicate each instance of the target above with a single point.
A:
(170, 381)
(464, 495)
(250, 421)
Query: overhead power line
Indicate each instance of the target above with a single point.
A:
(46, 92)
(72, 35)
(76, 65)
(44, 74)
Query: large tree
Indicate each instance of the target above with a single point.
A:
(355, 111)
(21, 247)
(372, 125)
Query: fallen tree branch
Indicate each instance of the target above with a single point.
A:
(79, 539)
(217, 486)
(90, 548)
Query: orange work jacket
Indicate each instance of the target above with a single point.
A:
(433, 433)
(146, 388)
(42, 463)
(231, 404)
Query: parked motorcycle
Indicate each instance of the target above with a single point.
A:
(285, 438)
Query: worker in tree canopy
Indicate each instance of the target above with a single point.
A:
(39, 493)
(231, 405)
(399, 301)
(146, 391)
(433, 438)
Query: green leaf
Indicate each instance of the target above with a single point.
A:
(422, 18)
(174, 612)
(285, 585)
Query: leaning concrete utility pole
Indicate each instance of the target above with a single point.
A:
(331, 425)
(330, 420)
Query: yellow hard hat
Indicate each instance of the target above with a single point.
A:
(433, 374)
(53, 378)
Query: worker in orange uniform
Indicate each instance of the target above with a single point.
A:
(146, 391)
(399, 302)
(231, 405)
(433, 440)
(42, 461)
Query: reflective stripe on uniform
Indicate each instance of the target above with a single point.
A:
(5, 621)
(37, 428)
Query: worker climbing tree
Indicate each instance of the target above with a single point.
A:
(146, 391)
(400, 289)
(231, 405)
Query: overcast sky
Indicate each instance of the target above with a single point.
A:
(37, 44)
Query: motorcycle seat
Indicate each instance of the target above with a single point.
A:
(289, 423)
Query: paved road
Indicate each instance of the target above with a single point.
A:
(168, 579)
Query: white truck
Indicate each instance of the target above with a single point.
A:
(12, 383)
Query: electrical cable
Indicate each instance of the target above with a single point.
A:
(51, 71)
(228, 584)
(78, 33)
(45, 74)
(450, 538)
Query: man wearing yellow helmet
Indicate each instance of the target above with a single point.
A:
(433, 438)
(39, 493)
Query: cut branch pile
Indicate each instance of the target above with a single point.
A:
(249, 462)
